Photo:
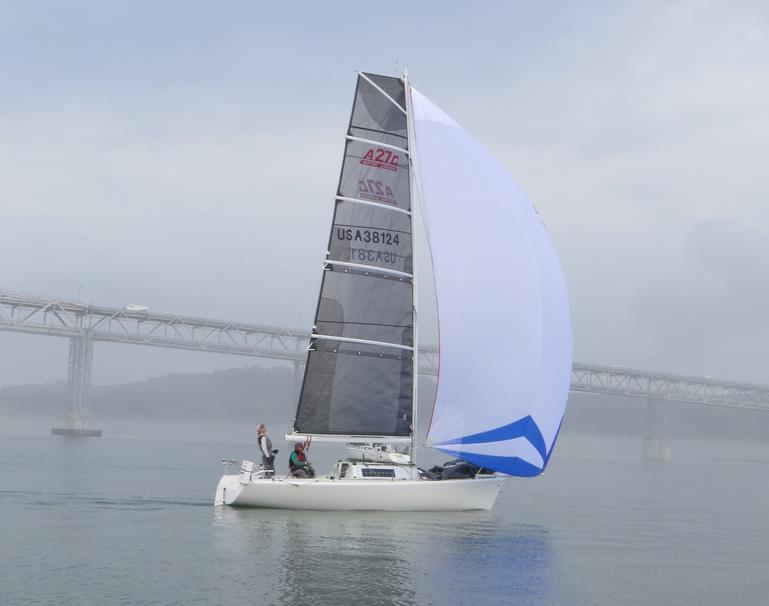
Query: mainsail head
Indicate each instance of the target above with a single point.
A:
(503, 312)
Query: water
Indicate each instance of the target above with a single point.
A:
(122, 521)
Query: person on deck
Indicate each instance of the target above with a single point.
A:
(265, 447)
(298, 464)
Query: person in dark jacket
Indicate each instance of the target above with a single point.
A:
(265, 447)
(298, 464)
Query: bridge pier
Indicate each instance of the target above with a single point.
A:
(656, 445)
(79, 387)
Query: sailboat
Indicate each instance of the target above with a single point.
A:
(504, 326)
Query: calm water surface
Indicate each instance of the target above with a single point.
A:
(120, 521)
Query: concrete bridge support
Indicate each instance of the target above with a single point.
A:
(656, 442)
(79, 387)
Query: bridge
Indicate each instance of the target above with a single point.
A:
(660, 390)
(613, 380)
(85, 325)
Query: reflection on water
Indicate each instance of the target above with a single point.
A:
(108, 521)
(384, 559)
(494, 560)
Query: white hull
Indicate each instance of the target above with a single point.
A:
(359, 494)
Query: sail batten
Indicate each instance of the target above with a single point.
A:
(301, 437)
(373, 268)
(376, 204)
(378, 143)
(362, 341)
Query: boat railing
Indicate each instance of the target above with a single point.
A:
(229, 462)
(252, 470)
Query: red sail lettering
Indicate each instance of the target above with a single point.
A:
(380, 158)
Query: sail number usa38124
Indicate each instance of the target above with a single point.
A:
(355, 234)
(357, 238)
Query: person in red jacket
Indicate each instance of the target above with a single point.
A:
(298, 464)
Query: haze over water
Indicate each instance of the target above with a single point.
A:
(113, 521)
(185, 156)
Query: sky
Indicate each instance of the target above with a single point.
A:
(184, 155)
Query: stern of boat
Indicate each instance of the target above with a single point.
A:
(227, 490)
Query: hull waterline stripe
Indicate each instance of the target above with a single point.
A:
(377, 204)
(379, 270)
(376, 86)
(362, 342)
(377, 143)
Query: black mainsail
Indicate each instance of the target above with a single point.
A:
(358, 378)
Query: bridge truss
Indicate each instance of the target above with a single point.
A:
(613, 380)
(87, 324)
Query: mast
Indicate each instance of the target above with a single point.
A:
(414, 292)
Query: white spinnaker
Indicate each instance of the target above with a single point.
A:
(503, 311)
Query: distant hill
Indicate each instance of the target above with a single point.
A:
(247, 395)
(191, 397)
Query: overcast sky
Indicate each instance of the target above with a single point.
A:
(184, 155)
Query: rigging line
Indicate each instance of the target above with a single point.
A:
(379, 88)
(377, 143)
(369, 203)
(362, 341)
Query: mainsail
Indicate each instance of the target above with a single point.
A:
(503, 312)
(359, 374)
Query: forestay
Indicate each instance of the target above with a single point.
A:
(358, 378)
(503, 313)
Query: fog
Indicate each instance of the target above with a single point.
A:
(185, 158)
